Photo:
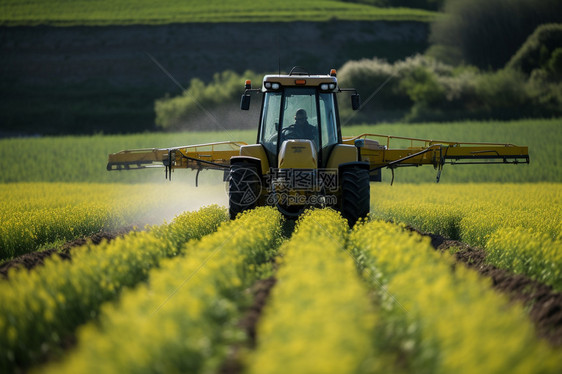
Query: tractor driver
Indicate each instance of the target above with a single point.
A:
(301, 129)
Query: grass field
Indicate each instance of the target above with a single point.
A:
(84, 158)
(128, 12)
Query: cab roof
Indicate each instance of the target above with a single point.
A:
(298, 78)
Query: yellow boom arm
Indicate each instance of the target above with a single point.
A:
(375, 149)
(198, 157)
(418, 152)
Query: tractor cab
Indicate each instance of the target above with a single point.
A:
(299, 110)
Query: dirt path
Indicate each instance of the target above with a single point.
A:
(544, 304)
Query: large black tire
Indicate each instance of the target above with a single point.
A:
(356, 195)
(244, 188)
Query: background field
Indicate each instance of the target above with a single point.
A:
(84, 158)
(127, 12)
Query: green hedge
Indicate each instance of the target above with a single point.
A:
(423, 89)
(417, 89)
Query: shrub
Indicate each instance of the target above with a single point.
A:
(368, 76)
(422, 86)
(488, 32)
(540, 50)
(192, 109)
(392, 98)
(501, 90)
(423, 89)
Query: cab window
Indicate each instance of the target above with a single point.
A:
(329, 125)
(270, 121)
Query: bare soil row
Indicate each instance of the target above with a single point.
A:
(544, 304)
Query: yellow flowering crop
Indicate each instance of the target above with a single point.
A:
(377, 300)
(182, 319)
(519, 225)
(41, 307)
(319, 317)
(36, 214)
(439, 320)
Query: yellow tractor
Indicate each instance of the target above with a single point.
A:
(301, 160)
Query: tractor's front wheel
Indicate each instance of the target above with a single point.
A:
(356, 194)
(244, 188)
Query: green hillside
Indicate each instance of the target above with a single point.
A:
(128, 12)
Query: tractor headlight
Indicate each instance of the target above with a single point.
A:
(327, 86)
(271, 86)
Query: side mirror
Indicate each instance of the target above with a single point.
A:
(359, 143)
(355, 101)
(245, 102)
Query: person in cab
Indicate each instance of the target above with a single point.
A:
(301, 129)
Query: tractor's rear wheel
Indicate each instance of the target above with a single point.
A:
(244, 188)
(356, 194)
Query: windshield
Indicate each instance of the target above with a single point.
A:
(298, 113)
(300, 118)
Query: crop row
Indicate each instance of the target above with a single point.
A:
(426, 315)
(184, 317)
(41, 308)
(437, 320)
(319, 318)
(520, 226)
(38, 214)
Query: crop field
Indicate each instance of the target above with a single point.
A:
(177, 298)
(127, 12)
(519, 225)
(107, 269)
(180, 288)
(39, 215)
